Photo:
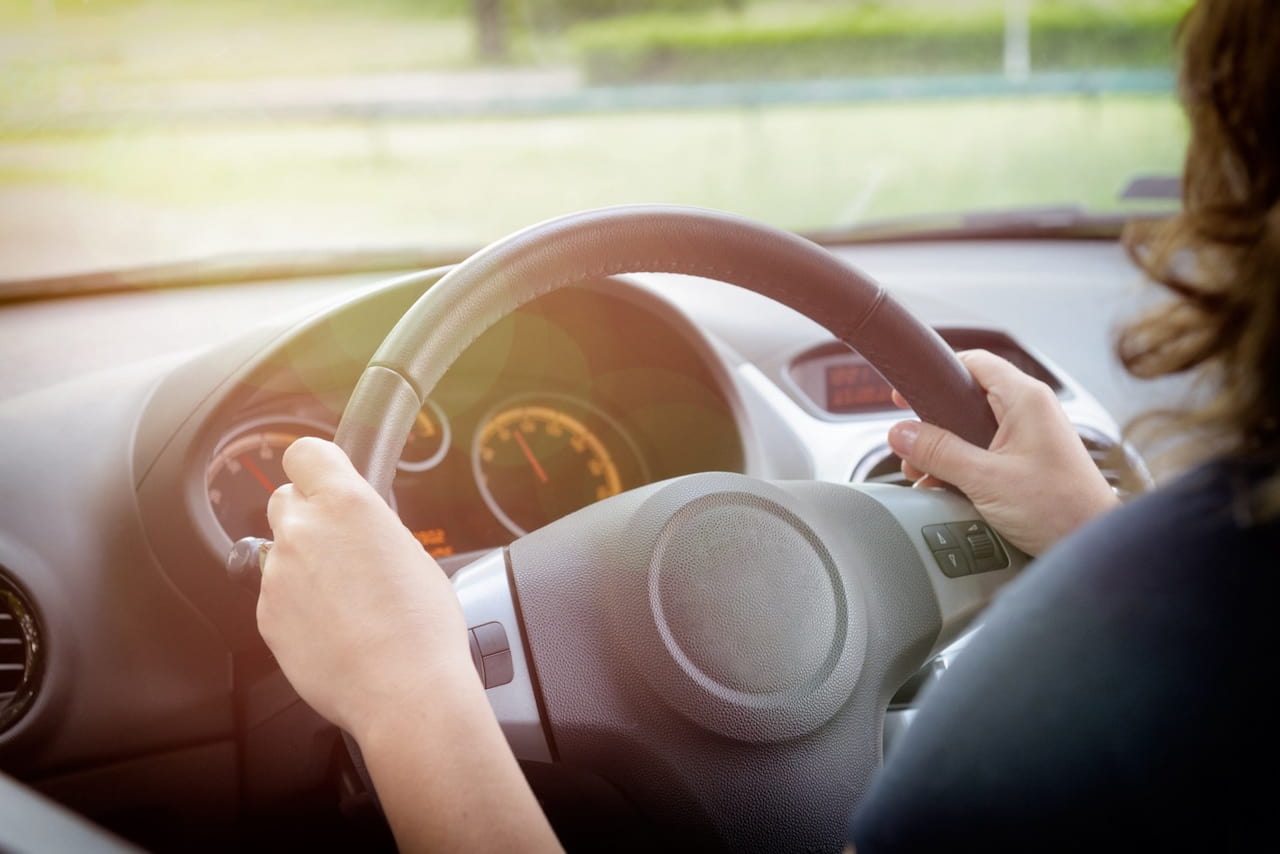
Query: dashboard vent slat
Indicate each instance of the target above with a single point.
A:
(21, 654)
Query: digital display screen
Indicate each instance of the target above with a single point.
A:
(856, 387)
(435, 541)
(841, 381)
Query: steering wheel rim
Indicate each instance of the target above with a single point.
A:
(841, 614)
(648, 239)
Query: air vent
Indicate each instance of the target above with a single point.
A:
(21, 655)
(882, 466)
(1120, 466)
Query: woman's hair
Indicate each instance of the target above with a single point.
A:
(1220, 257)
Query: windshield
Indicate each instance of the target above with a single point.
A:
(143, 131)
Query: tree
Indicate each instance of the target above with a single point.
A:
(491, 28)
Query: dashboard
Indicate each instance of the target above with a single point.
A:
(144, 431)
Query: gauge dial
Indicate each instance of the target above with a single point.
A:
(245, 471)
(540, 459)
(428, 440)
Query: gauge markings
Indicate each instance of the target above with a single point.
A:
(537, 462)
(428, 441)
(246, 470)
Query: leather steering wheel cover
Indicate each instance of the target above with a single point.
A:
(649, 239)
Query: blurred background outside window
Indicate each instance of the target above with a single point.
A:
(142, 131)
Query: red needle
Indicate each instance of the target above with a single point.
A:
(528, 455)
(257, 472)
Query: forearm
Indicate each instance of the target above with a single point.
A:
(446, 777)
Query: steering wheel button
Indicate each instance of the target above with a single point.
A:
(940, 537)
(498, 669)
(998, 561)
(981, 546)
(953, 562)
(492, 638)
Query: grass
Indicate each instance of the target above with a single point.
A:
(184, 192)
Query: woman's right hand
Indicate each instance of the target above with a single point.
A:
(1035, 484)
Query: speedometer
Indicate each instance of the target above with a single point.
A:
(539, 458)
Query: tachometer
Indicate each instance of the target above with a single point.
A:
(539, 458)
(246, 469)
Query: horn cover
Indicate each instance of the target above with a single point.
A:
(743, 623)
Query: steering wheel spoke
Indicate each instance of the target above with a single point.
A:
(498, 651)
(965, 560)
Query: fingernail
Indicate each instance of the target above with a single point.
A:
(902, 437)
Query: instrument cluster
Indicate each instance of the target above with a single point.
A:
(461, 484)
(575, 398)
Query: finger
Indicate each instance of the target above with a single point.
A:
(900, 401)
(284, 497)
(988, 368)
(919, 478)
(928, 482)
(315, 465)
(1005, 383)
(933, 450)
(910, 472)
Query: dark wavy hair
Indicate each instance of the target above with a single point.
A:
(1220, 257)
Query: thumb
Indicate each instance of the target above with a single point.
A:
(935, 451)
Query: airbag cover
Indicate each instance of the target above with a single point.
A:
(751, 614)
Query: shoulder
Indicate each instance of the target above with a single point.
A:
(1062, 716)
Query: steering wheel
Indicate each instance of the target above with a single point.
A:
(720, 648)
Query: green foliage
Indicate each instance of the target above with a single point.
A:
(555, 15)
(871, 39)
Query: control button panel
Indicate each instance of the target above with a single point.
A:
(939, 537)
(953, 562)
(491, 654)
(965, 548)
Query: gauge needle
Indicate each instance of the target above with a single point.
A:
(528, 455)
(257, 473)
